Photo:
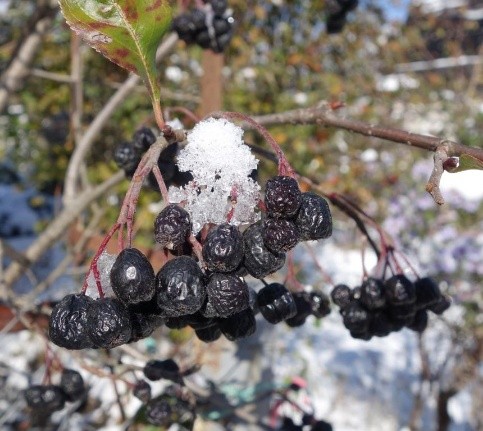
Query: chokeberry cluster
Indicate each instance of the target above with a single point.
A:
(46, 399)
(128, 154)
(210, 27)
(337, 16)
(379, 307)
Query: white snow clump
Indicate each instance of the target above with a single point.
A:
(104, 265)
(220, 163)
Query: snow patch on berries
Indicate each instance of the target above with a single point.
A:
(220, 163)
(104, 265)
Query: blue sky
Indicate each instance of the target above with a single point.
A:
(395, 9)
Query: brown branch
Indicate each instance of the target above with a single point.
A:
(432, 187)
(95, 127)
(323, 115)
(14, 76)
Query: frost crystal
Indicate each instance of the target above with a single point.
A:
(104, 265)
(220, 163)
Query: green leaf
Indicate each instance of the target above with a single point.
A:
(127, 32)
(467, 162)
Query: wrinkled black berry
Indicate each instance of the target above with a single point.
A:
(373, 294)
(223, 248)
(313, 220)
(341, 295)
(258, 259)
(72, 383)
(180, 287)
(48, 398)
(276, 303)
(239, 325)
(132, 277)
(172, 227)
(282, 197)
(68, 322)
(380, 324)
(279, 235)
(228, 294)
(109, 323)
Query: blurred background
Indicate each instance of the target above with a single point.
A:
(415, 65)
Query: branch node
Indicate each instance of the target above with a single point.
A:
(432, 187)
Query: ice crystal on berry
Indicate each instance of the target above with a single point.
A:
(221, 190)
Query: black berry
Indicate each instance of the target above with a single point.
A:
(68, 322)
(172, 227)
(320, 304)
(109, 323)
(126, 157)
(72, 383)
(276, 303)
(258, 259)
(223, 248)
(373, 293)
(341, 295)
(313, 220)
(180, 287)
(168, 369)
(48, 398)
(239, 325)
(142, 139)
(132, 277)
(208, 334)
(142, 391)
(228, 294)
(282, 197)
(279, 235)
(400, 290)
(441, 306)
(427, 292)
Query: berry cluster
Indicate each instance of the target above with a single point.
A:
(210, 27)
(338, 10)
(127, 156)
(46, 399)
(379, 307)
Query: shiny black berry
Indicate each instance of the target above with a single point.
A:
(167, 409)
(47, 398)
(258, 259)
(68, 322)
(341, 295)
(228, 294)
(239, 325)
(109, 323)
(218, 6)
(279, 235)
(223, 248)
(276, 303)
(373, 294)
(172, 227)
(180, 287)
(313, 220)
(282, 197)
(72, 383)
(143, 325)
(132, 277)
